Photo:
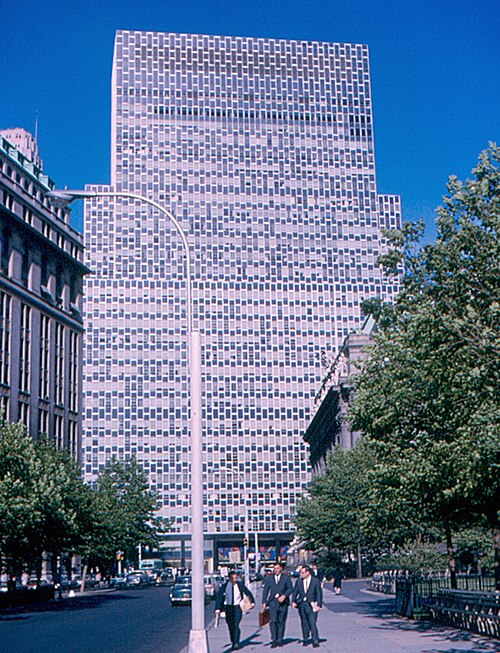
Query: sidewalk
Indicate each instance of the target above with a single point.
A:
(356, 621)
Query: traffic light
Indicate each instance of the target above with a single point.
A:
(245, 542)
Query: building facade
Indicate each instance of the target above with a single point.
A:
(329, 427)
(263, 150)
(41, 326)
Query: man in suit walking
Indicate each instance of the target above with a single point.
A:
(228, 598)
(307, 596)
(316, 571)
(276, 598)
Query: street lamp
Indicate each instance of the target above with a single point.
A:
(197, 636)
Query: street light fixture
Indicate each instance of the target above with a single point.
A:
(198, 642)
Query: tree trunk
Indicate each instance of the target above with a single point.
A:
(451, 557)
(360, 564)
(84, 575)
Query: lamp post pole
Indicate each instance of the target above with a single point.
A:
(198, 642)
(245, 548)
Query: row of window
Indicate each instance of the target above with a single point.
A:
(54, 342)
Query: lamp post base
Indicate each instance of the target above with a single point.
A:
(198, 641)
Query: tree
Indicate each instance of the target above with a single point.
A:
(331, 514)
(429, 391)
(63, 501)
(18, 510)
(44, 505)
(123, 508)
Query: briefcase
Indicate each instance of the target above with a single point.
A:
(263, 618)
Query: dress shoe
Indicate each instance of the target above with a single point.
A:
(274, 645)
(304, 643)
(315, 644)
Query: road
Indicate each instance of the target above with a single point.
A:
(128, 621)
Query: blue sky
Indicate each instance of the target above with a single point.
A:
(434, 69)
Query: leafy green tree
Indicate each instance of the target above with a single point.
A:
(44, 504)
(429, 391)
(123, 508)
(63, 501)
(331, 514)
(18, 510)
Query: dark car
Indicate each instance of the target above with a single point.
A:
(76, 581)
(181, 594)
(166, 577)
(137, 579)
(120, 580)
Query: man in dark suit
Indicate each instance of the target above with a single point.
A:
(319, 573)
(307, 596)
(228, 598)
(276, 598)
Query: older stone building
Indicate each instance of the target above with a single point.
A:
(41, 326)
(329, 426)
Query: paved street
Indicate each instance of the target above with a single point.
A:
(356, 622)
(142, 621)
(131, 621)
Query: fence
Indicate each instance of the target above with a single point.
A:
(416, 592)
(478, 612)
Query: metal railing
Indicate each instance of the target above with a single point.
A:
(417, 592)
(478, 612)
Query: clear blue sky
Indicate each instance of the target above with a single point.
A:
(434, 69)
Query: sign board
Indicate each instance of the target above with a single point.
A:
(234, 556)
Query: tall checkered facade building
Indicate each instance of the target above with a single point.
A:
(263, 150)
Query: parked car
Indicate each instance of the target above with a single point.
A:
(76, 581)
(183, 580)
(9, 585)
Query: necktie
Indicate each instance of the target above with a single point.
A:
(306, 585)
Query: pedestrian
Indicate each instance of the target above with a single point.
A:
(316, 571)
(230, 595)
(337, 580)
(307, 596)
(276, 598)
